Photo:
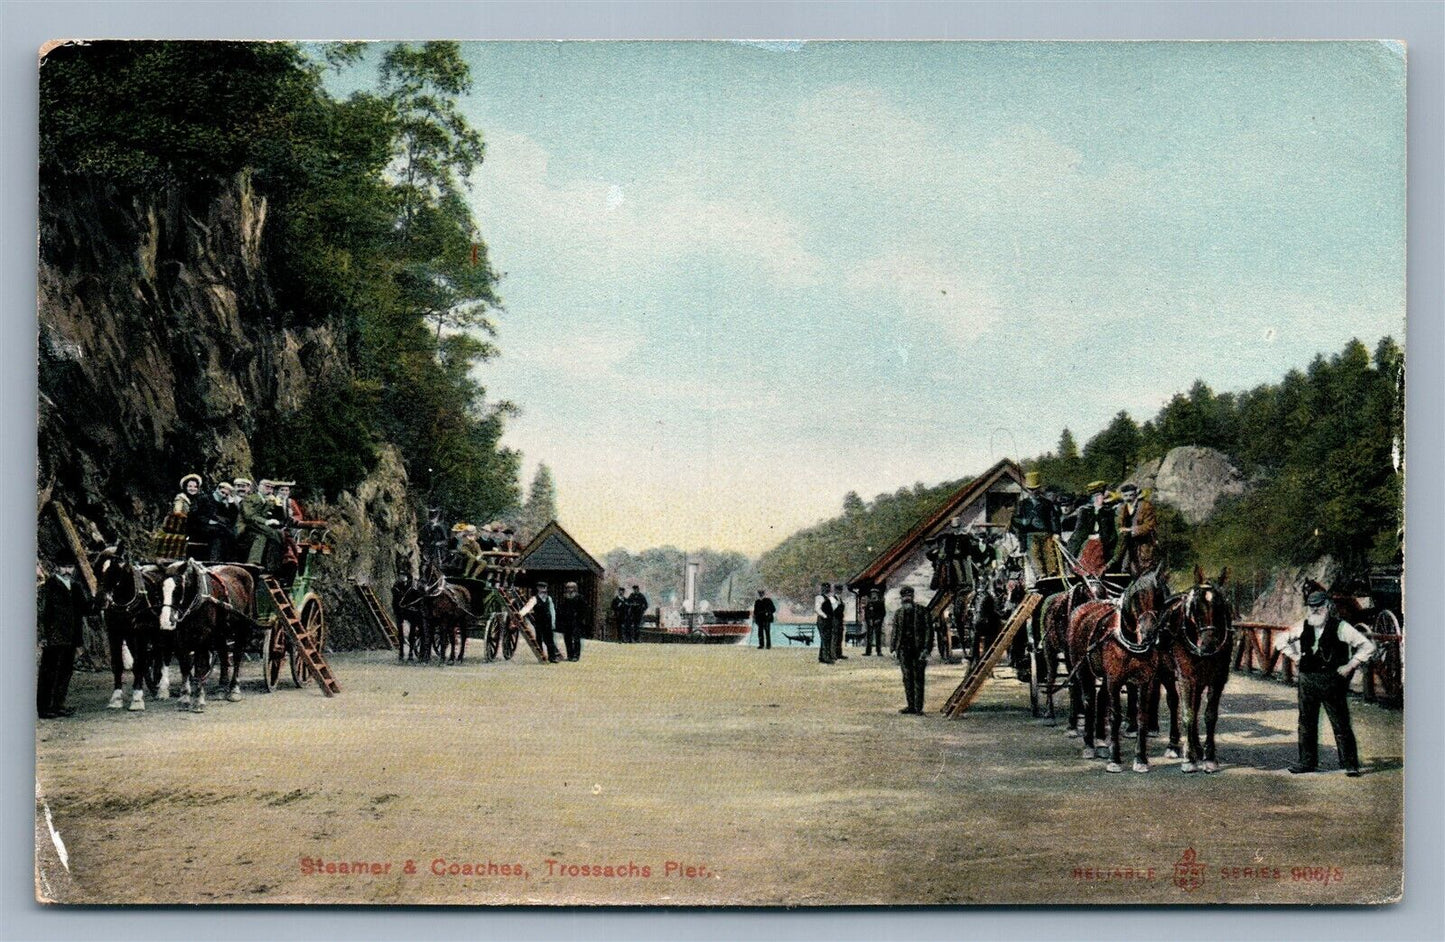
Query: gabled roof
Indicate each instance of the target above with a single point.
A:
(555, 549)
(890, 559)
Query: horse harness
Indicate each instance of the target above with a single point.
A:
(1187, 621)
(204, 594)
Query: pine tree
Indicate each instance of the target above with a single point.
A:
(541, 506)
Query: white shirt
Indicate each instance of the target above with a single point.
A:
(818, 606)
(1361, 648)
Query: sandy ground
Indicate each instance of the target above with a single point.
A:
(776, 779)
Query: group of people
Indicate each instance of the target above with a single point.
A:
(567, 614)
(474, 549)
(236, 521)
(628, 608)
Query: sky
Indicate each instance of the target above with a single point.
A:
(743, 279)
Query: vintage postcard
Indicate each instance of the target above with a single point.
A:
(720, 473)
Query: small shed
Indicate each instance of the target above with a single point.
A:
(555, 558)
(987, 500)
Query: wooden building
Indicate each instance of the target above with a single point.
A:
(988, 499)
(555, 558)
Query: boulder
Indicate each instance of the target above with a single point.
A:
(1191, 479)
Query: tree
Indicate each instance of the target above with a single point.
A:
(541, 506)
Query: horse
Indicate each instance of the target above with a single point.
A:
(981, 621)
(410, 616)
(1054, 614)
(130, 603)
(208, 609)
(1198, 627)
(448, 614)
(1100, 644)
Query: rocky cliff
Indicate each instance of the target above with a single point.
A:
(161, 350)
(1193, 480)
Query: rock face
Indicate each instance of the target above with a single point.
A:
(1193, 480)
(1282, 601)
(162, 351)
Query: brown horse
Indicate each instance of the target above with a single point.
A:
(1198, 626)
(1116, 643)
(1054, 615)
(207, 609)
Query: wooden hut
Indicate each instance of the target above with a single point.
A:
(555, 558)
(988, 499)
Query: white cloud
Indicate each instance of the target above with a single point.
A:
(940, 291)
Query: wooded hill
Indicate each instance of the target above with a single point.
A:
(1320, 450)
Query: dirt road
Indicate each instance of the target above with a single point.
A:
(687, 775)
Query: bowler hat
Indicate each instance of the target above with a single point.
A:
(1317, 598)
(906, 592)
(1094, 487)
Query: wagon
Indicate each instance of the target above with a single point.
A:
(1373, 602)
(278, 646)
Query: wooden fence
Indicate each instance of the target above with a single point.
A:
(1382, 681)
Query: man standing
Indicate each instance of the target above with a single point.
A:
(912, 640)
(1094, 537)
(874, 612)
(1326, 650)
(636, 608)
(823, 609)
(1138, 534)
(619, 616)
(63, 604)
(433, 541)
(1036, 524)
(763, 612)
(544, 620)
(570, 618)
(839, 611)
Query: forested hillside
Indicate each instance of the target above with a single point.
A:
(1320, 451)
(264, 280)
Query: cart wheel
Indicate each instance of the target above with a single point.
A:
(495, 626)
(1388, 623)
(510, 633)
(313, 619)
(274, 645)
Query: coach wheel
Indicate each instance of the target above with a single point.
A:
(274, 647)
(496, 624)
(1387, 624)
(509, 638)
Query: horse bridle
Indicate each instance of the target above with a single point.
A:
(1187, 621)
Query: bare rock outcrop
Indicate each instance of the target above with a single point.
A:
(1191, 479)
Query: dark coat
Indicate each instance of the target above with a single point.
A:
(1034, 515)
(62, 605)
(764, 611)
(571, 614)
(912, 633)
(636, 606)
(1084, 519)
(874, 611)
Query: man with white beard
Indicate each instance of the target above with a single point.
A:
(1326, 650)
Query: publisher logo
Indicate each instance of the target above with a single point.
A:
(1188, 872)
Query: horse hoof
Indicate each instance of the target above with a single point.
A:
(183, 704)
(1186, 767)
(137, 702)
(1141, 767)
(163, 693)
(233, 696)
(1113, 767)
(1088, 753)
(117, 700)
(1101, 752)
(198, 708)
(1171, 753)
(1072, 733)
(1211, 767)
(1130, 734)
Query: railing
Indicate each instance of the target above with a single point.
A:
(1382, 680)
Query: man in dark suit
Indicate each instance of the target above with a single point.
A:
(63, 604)
(763, 612)
(912, 641)
(544, 621)
(839, 630)
(636, 608)
(619, 614)
(874, 613)
(571, 615)
(1095, 536)
(823, 610)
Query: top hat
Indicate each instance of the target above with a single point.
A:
(1033, 480)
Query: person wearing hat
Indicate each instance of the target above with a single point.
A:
(636, 609)
(1094, 537)
(911, 643)
(571, 616)
(291, 512)
(1326, 650)
(190, 489)
(1138, 535)
(209, 523)
(874, 613)
(260, 531)
(433, 542)
(839, 615)
(947, 551)
(823, 609)
(619, 616)
(62, 605)
(544, 621)
(1036, 524)
(764, 611)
